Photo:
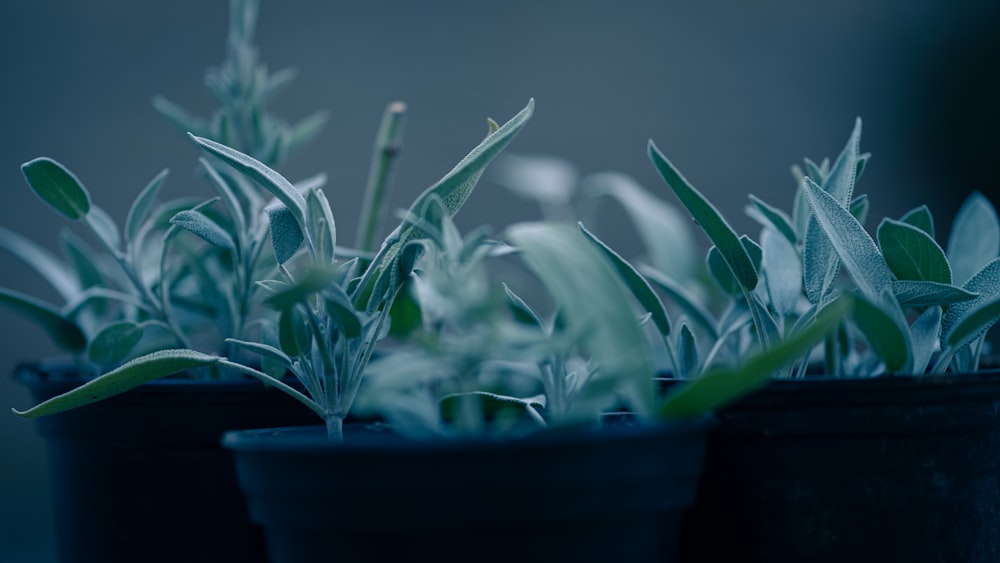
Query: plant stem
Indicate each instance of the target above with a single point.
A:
(335, 428)
(388, 142)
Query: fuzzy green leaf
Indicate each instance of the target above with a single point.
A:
(975, 238)
(200, 224)
(321, 225)
(132, 374)
(47, 265)
(286, 234)
(341, 311)
(521, 311)
(782, 272)
(921, 294)
(854, 246)
(228, 195)
(840, 183)
(715, 226)
(86, 263)
(921, 218)
(637, 284)
(885, 329)
(142, 205)
(293, 333)
(721, 386)
(66, 334)
(973, 325)
(859, 208)
(911, 253)
(114, 342)
(264, 351)
(986, 283)
(315, 279)
(57, 186)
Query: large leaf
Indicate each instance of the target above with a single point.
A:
(708, 217)
(53, 270)
(719, 387)
(854, 246)
(911, 253)
(130, 375)
(975, 238)
(66, 334)
(57, 187)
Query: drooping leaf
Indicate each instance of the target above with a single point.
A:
(286, 234)
(921, 294)
(66, 334)
(114, 342)
(853, 245)
(57, 186)
(911, 253)
(142, 205)
(637, 284)
(39, 259)
(721, 386)
(975, 238)
(201, 225)
(885, 330)
(921, 218)
(924, 337)
(708, 217)
(132, 374)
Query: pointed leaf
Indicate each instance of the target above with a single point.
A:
(775, 218)
(911, 253)
(341, 311)
(921, 218)
(985, 284)
(57, 186)
(782, 272)
(973, 325)
(132, 374)
(714, 225)
(840, 183)
(142, 205)
(315, 279)
(114, 342)
(687, 353)
(200, 224)
(293, 333)
(322, 225)
(104, 227)
(264, 351)
(286, 235)
(522, 312)
(64, 333)
(921, 294)
(924, 336)
(975, 238)
(687, 302)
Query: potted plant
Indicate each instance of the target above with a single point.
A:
(870, 449)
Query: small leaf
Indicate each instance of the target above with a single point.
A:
(920, 218)
(104, 227)
(924, 336)
(85, 262)
(985, 284)
(114, 342)
(921, 294)
(286, 235)
(854, 246)
(775, 218)
(885, 329)
(782, 272)
(522, 312)
(142, 205)
(57, 186)
(322, 225)
(293, 333)
(228, 196)
(66, 334)
(264, 351)
(687, 353)
(179, 117)
(132, 374)
(859, 208)
(200, 224)
(911, 253)
(714, 225)
(840, 183)
(975, 238)
(315, 279)
(341, 311)
(47, 265)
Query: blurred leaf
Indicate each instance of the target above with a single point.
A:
(687, 302)
(184, 121)
(264, 351)
(341, 311)
(294, 335)
(57, 186)
(322, 225)
(885, 329)
(132, 374)
(47, 265)
(911, 253)
(114, 342)
(986, 283)
(975, 238)
(522, 312)
(782, 272)
(305, 130)
(142, 205)
(687, 353)
(545, 180)
(975, 324)
(315, 279)
(86, 263)
(198, 223)
(924, 336)
(66, 334)
(104, 227)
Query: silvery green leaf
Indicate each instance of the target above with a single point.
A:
(595, 304)
(114, 342)
(721, 386)
(65, 333)
(132, 374)
(637, 284)
(775, 218)
(975, 238)
(975, 324)
(104, 227)
(322, 225)
(782, 272)
(801, 212)
(721, 271)
(920, 294)
(227, 194)
(57, 186)
(521, 311)
(820, 265)
(911, 253)
(687, 353)
(816, 171)
(315, 279)
(886, 331)
(715, 226)
(921, 218)
(859, 208)
(662, 228)
(47, 265)
(142, 205)
(208, 230)
(86, 264)
(986, 283)
(270, 180)
(924, 336)
(264, 351)
(272, 85)
(840, 183)
(341, 311)
(854, 246)
(286, 233)
(179, 117)
(273, 286)
(687, 302)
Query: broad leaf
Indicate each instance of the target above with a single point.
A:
(286, 234)
(911, 253)
(341, 310)
(66, 334)
(975, 238)
(130, 375)
(708, 217)
(114, 342)
(57, 186)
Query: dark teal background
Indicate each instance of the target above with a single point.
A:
(732, 91)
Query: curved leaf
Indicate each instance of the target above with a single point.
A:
(985, 284)
(286, 234)
(921, 294)
(973, 325)
(911, 253)
(47, 265)
(315, 279)
(104, 227)
(887, 333)
(921, 218)
(57, 186)
(774, 218)
(782, 272)
(132, 374)
(65, 333)
(924, 334)
(208, 230)
(975, 238)
(687, 302)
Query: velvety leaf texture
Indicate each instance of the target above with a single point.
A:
(286, 236)
(207, 229)
(911, 253)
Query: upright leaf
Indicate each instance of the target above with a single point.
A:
(142, 205)
(911, 253)
(986, 284)
(57, 186)
(924, 336)
(885, 328)
(921, 218)
(975, 238)
(782, 272)
(286, 234)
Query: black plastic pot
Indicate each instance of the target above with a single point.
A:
(141, 477)
(608, 496)
(883, 469)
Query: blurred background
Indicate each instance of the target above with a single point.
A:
(733, 92)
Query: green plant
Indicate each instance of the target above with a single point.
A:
(332, 310)
(910, 299)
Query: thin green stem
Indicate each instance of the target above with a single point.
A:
(388, 143)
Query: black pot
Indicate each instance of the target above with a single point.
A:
(609, 496)
(882, 469)
(141, 477)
